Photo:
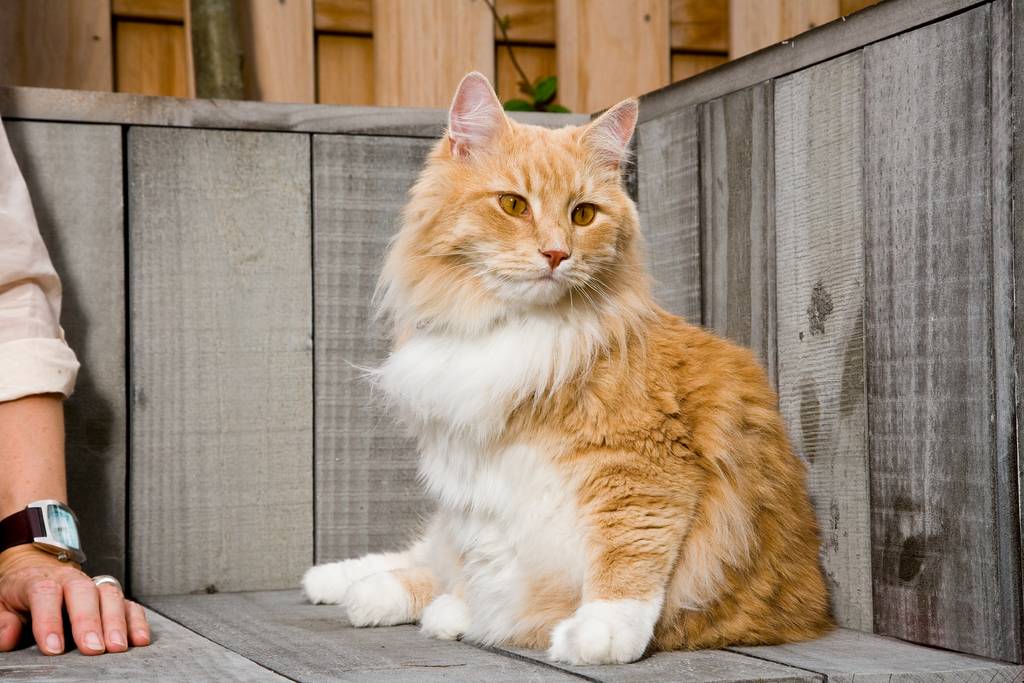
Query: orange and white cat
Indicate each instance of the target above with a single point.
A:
(609, 479)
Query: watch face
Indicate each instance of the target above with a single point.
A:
(62, 526)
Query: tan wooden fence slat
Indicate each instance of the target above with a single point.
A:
(700, 25)
(938, 326)
(669, 202)
(367, 496)
(56, 44)
(530, 21)
(423, 49)
(345, 69)
(738, 220)
(755, 24)
(687, 65)
(167, 10)
(610, 50)
(277, 39)
(819, 214)
(151, 59)
(221, 360)
(74, 174)
(343, 16)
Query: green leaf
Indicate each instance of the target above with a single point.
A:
(517, 104)
(545, 89)
(557, 109)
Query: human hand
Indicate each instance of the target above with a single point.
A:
(34, 585)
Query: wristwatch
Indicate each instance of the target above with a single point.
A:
(48, 525)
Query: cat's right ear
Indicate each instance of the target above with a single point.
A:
(476, 117)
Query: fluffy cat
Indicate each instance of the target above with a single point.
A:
(609, 479)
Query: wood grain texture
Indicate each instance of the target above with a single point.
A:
(344, 69)
(686, 65)
(283, 632)
(819, 214)
(74, 176)
(151, 59)
(423, 49)
(94, 107)
(176, 654)
(669, 189)
(1012, 17)
(848, 656)
(610, 50)
(277, 40)
(756, 24)
(700, 25)
(56, 44)
(168, 10)
(344, 16)
(367, 497)
(221, 360)
(945, 541)
(530, 21)
(537, 62)
(738, 220)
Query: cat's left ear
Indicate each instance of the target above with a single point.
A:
(610, 133)
(476, 117)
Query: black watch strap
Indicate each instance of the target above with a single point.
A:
(21, 528)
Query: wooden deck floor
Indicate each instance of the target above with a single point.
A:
(276, 636)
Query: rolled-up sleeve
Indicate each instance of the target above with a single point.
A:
(34, 358)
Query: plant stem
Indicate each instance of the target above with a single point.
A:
(524, 80)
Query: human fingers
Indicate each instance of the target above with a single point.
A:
(138, 626)
(83, 604)
(44, 597)
(10, 630)
(112, 611)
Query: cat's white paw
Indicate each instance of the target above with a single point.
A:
(605, 632)
(327, 583)
(446, 618)
(379, 600)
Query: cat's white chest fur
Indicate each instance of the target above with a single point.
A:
(512, 517)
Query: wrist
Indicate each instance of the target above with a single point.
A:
(27, 555)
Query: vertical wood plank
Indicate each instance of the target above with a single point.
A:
(343, 16)
(423, 49)
(56, 44)
(700, 25)
(819, 215)
(367, 497)
(756, 24)
(151, 59)
(686, 65)
(945, 545)
(73, 173)
(221, 360)
(610, 50)
(167, 10)
(277, 40)
(738, 220)
(345, 70)
(669, 189)
(530, 21)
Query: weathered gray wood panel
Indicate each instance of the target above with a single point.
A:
(945, 555)
(845, 656)
(283, 632)
(669, 191)
(175, 654)
(367, 497)
(221, 360)
(74, 174)
(738, 219)
(819, 214)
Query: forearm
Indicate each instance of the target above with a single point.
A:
(31, 452)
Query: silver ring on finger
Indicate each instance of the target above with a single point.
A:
(106, 578)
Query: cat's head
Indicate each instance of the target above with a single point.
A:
(509, 218)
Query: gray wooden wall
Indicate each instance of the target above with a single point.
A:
(855, 231)
(848, 218)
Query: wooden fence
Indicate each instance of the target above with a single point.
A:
(398, 52)
(844, 207)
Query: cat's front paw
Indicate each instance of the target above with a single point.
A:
(326, 584)
(446, 618)
(605, 632)
(379, 600)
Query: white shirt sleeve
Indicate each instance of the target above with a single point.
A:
(34, 358)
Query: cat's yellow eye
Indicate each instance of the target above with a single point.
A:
(513, 204)
(583, 214)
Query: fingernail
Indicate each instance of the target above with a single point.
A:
(53, 643)
(92, 641)
(142, 634)
(117, 638)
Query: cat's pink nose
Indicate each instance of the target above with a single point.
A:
(554, 257)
